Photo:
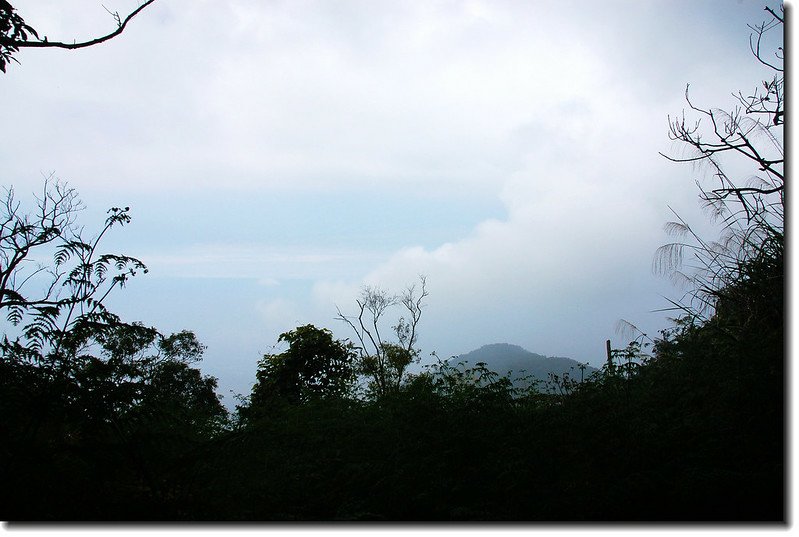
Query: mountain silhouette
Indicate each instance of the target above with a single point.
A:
(516, 363)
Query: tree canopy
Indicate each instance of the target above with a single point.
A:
(314, 366)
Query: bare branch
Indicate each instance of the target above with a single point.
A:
(382, 361)
(774, 14)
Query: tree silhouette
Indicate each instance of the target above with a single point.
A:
(751, 211)
(58, 306)
(385, 362)
(314, 366)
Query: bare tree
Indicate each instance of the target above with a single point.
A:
(20, 233)
(16, 34)
(751, 211)
(385, 362)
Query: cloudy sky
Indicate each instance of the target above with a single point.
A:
(278, 156)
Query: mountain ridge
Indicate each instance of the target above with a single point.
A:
(517, 362)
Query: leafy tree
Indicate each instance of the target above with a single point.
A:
(314, 366)
(143, 375)
(63, 351)
(98, 413)
(16, 34)
(384, 362)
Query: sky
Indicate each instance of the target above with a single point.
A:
(279, 156)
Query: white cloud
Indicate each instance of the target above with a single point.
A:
(281, 314)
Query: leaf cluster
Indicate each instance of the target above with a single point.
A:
(12, 30)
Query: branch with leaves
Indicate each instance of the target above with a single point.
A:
(16, 34)
(59, 304)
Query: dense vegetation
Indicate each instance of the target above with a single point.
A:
(108, 420)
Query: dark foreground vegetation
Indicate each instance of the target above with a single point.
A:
(696, 434)
(107, 420)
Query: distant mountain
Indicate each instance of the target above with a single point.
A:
(517, 362)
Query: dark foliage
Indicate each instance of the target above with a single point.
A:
(12, 30)
(314, 366)
(98, 414)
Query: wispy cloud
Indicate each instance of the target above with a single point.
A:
(252, 261)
